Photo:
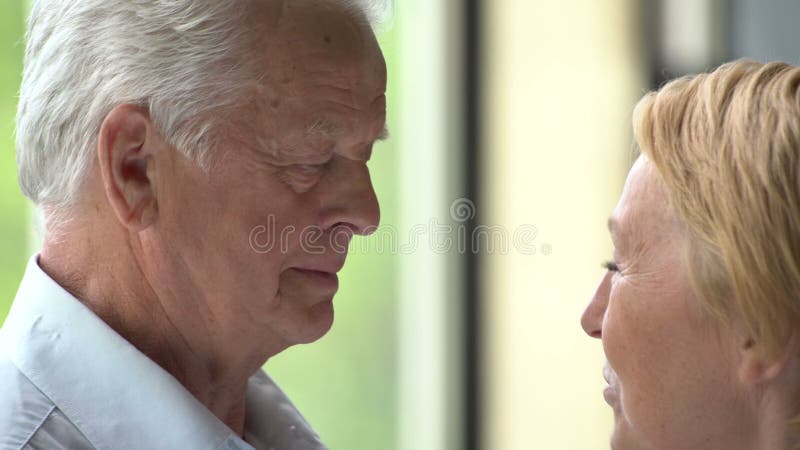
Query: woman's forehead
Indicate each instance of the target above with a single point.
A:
(644, 211)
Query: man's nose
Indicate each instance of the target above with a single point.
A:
(592, 318)
(349, 198)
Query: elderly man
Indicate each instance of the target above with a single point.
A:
(156, 136)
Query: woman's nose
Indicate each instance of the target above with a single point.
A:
(592, 318)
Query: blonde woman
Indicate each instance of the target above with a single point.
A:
(699, 309)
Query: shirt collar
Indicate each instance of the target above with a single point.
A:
(113, 392)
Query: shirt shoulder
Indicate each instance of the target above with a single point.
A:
(23, 408)
(57, 432)
(29, 420)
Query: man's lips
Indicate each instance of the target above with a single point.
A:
(332, 266)
(325, 281)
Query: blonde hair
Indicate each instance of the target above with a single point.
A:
(727, 145)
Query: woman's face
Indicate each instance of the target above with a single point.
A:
(672, 373)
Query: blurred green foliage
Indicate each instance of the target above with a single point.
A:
(13, 207)
(345, 383)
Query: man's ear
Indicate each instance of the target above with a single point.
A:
(757, 366)
(126, 148)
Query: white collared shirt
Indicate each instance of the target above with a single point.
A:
(69, 381)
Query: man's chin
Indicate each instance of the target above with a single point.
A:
(317, 322)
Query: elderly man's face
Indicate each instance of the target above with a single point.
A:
(259, 239)
(672, 373)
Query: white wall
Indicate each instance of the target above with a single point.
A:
(562, 80)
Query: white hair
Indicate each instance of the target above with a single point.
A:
(183, 60)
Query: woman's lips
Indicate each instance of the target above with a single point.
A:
(610, 395)
(610, 392)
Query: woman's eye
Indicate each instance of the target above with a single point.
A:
(611, 266)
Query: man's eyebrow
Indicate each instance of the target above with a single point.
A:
(384, 134)
(332, 130)
(326, 128)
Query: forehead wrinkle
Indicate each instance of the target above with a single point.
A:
(352, 116)
(291, 149)
(344, 95)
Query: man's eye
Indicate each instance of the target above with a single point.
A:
(309, 168)
(611, 266)
(305, 171)
(303, 177)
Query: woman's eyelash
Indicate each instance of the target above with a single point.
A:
(611, 266)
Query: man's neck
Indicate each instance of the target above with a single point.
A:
(174, 335)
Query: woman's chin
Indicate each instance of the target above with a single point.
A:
(623, 437)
